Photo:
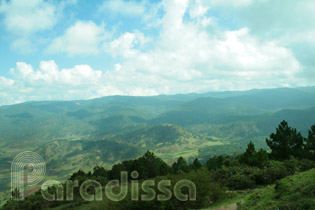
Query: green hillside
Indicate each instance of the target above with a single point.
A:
(293, 192)
(64, 156)
(167, 141)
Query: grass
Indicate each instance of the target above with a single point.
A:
(293, 192)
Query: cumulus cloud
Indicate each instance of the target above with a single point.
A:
(187, 52)
(198, 9)
(5, 83)
(288, 24)
(49, 82)
(23, 19)
(26, 17)
(84, 37)
(125, 44)
(49, 74)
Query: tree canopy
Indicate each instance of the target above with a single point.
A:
(285, 142)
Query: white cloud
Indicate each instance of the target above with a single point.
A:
(49, 74)
(121, 7)
(48, 82)
(26, 21)
(198, 8)
(26, 17)
(81, 38)
(290, 25)
(186, 53)
(125, 44)
(121, 46)
(5, 82)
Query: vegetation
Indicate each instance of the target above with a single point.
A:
(292, 192)
(285, 142)
(285, 181)
(310, 143)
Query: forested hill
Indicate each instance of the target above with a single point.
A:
(36, 122)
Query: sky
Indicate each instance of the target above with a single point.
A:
(79, 49)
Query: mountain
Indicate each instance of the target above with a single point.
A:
(224, 116)
(65, 156)
(273, 99)
(37, 122)
(167, 141)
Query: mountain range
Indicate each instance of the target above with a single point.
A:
(103, 131)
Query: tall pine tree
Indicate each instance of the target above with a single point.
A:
(285, 142)
(310, 143)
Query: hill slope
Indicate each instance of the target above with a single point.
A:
(167, 141)
(293, 192)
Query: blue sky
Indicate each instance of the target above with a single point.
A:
(75, 49)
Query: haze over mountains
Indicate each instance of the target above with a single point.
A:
(48, 120)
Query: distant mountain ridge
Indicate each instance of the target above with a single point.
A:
(48, 120)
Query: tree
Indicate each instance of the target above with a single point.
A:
(248, 157)
(116, 170)
(262, 158)
(250, 151)
(79, 176)
(180, 165)
(99, 171)
(253, 158)
(152, 166)
(310, 143)
(195, 165)
(285, 142)
(215, 162)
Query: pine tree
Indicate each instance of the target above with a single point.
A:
(196, 164)
(310, 143)
(180, 165)
(215, 162)
(285, 142)
(252, 157)
(248, 157)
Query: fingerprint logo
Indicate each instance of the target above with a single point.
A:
(27, 169)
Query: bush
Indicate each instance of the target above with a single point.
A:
(274, 171)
